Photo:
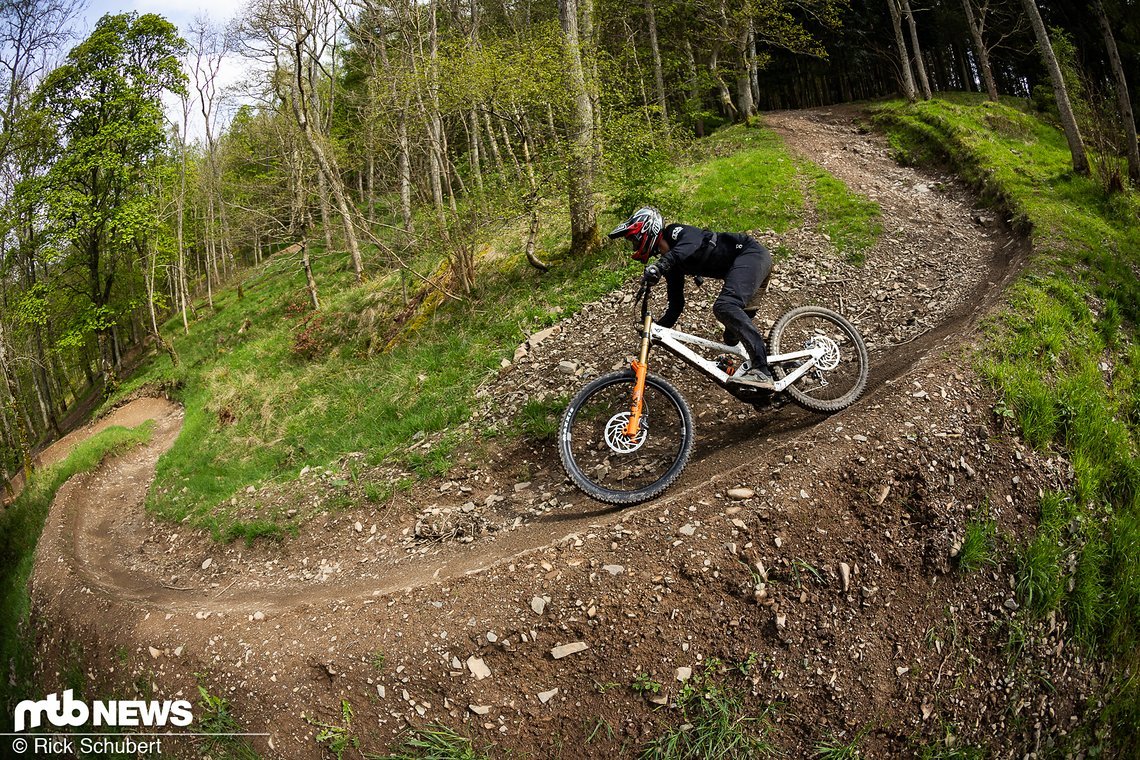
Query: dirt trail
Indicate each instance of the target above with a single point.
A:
(281, 628)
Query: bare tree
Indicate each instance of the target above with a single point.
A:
(1123, 101)
(903, 57)
(32, 32)
(208, 47)
(658, 69)
(976, 23)
(1064, 107)
(296, 36)
(919, 64)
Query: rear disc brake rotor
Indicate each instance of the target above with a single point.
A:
(830, 358)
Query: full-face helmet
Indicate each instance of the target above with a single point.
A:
(642, 230)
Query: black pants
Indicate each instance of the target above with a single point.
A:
(743, 279)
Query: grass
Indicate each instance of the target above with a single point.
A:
(20, 527)
(852, 223)
(835, 749)
(941, 751)
(602, 729)
(256, 413)
(214, 717)
(1064, 357)
(337, 738)
(978, 545)
(748, 181)
(759, 186)
(539, 419)
(434, 742)
(715, 726)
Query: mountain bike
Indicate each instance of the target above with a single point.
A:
(627, 435)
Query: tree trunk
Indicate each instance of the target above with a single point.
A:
(325, 164)
(963, 61)
(476, 158)
(584, 236)
(904, 57)
(326, 212)
(1123, 101)
(589, 49)
(753, 69)
(12, 388)
(532, 201)
(1068, 120)
(920, 65)
(148, 262)
(743, 80)
(310, 281)
(694, 89)
(658, 70)
(729, 108)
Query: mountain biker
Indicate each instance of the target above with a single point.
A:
(739, 260)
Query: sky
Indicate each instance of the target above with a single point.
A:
(181, 14)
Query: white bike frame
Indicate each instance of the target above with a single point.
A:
(675, 341)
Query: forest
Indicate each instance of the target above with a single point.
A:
(392, 136)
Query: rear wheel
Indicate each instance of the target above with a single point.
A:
(840, 376)
(605, 462)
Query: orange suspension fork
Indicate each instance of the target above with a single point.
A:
(640, 370)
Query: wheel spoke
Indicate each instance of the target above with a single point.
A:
(841, 372)
(609, 464)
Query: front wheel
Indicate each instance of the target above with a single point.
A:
(840, 376)
(605, 462)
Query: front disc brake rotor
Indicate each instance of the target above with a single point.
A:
(616, 437)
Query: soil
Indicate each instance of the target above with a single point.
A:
(830, 595)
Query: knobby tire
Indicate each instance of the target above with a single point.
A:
(855, 348)
(580, 453)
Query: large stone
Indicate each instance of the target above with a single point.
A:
(538, 604)
(741, 493)
(568, 649)
(546, 696)
(536, 340)
(478, 668)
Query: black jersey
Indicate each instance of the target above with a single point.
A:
(698, 252)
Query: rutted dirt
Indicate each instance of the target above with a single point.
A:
(831, 590)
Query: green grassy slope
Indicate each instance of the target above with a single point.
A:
(269, 387)
(1065, 355)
